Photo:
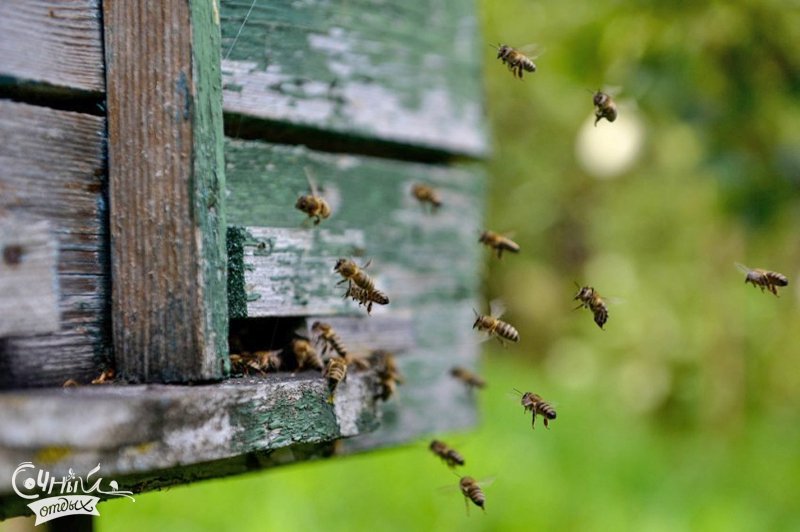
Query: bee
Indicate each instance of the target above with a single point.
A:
(386, 370)
(451, 457)
(105, 377)
(260, 361)
(70, 383)
(536, 405)
(426, 194)
(365, 297)
(335, 372)
(498, 242)
(313, 204)
(354, 275)
(590, 299)
(329, 339)
(305, 354)
(764, 278)
(472, 491)
(517, 61)
(467, 377)
(604, 107)
(493, 326)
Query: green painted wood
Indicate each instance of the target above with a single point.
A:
(417, 256)
(146, 437)
(406, 72)
(54, 42)
(166, 174)
(54, 169)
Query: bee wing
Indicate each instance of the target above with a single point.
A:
(613, 300)
(742, 268)
(312, 185)
(487, 481)
(497, 308)
(612, 90)
(532, 50)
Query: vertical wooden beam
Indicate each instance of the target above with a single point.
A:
(166, 177)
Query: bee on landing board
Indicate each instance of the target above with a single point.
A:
(450, 456)
(426, 194)
(313, 204)
(498, 242)
(467, 377)
(516, 61)
(534, 403)
(590, 298)
(493, 326)
(260, 361)
(326, 335)
(105, 377)
(335, 372)
(604, 107)
(472, 491)
(763, 278)
(305, 354)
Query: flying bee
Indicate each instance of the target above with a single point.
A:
(590, 298)
(105, 377)
(354, 275)
(764, 278)
(366, 298)
(534, 403)
(313, 204)
(471, 490)
(305, 354)
(494, 326)
(450, 456)
(467, 377)
(516, 61)
(426, 194)
(387, 372)
(335, 372)
(604, 107)
(327, 336)
(498, 242)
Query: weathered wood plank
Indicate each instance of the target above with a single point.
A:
(362, 68)
(57, 42)
(169, 300)
(137, 432)
(287, 263)
(53, 169)
(28, 277)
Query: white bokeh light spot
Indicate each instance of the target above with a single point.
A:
(610, 149)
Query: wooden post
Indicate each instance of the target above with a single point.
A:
(166, 183)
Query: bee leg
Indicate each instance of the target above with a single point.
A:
(317, 220)
(545, 423)
(533, 421)
(466, 504)
(499, 253)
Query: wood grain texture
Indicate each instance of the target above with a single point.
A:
(138, 432)
(58, 42)
(407, 72)
(53, 169)
(166, 177)
(28, 277)
(417, 256)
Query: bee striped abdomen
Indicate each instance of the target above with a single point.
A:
(451, 457)
(506, 331)
(471, 490)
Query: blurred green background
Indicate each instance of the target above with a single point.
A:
(683, 413)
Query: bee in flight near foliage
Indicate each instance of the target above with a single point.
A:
(472, 491)
(450, 456)
(534, 404)
(493, 326)
(604, 107)
(590, 298)
(516, 61)
(763, 278)
(469, 378)
(498, 242)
